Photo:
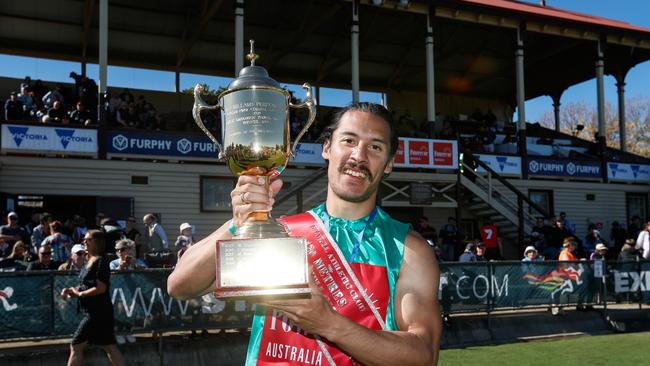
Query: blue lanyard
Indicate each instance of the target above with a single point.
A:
(357, 243)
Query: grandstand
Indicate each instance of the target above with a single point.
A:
(485, 55)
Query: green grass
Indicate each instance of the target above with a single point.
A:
(632, 349)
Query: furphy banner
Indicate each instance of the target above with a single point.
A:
(564, 168)
(628, 172)
(505, 165)
(426, 153)
(49, 139)
(160, 144)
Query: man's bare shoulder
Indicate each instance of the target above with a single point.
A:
(417, 250)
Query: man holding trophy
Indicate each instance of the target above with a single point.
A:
(370, 292)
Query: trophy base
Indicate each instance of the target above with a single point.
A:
(258, 229)
(262, 269)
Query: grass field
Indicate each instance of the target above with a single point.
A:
(631, 349)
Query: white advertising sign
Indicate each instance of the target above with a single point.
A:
(308, 154)
(51, 139)
(505, 165)
(628, 172)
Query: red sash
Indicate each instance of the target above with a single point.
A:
(344, 285)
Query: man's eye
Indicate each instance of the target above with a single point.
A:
(375, 147)
(348, 141)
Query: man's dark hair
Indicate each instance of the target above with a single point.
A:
(377, 110)
(45, 218)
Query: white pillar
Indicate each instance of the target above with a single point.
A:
(521, 93)
(431, 92)
(239, 36)
(620, 88)
(103, 45)
(354, 33)
(600, 90)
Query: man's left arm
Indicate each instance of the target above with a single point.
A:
(417, 313)
(163, 237)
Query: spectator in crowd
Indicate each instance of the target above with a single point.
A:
(155, 233)
(80, 116)
(643, 242)
(555, 239)
(186, 239)
(449, 239)
(13, 108)
(79, 228)
(490, 238)
(26, 97)
(634, 227)
(98, 220)
(447, 132)
(126, 259)
(426, 230)
(56, 114)
(113, 233)
(111, 105)
(591, 239)
(44, 262)
(127, 116)
(52, 96)
(151, 120)
(531, 255)
(34, 221)
(18, 260)
(567, 254)
(629, 252)
(469, 255)
(93, 294)
(600, 253)
(39, 90)
(567, 223)
(60, 243)
(617, 237)
(480, 252)
(42, 231)
(77, 259)
(485, 138)
(127, 97)
(11, 233)
(130, 232)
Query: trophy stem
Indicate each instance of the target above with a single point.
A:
(259, 224)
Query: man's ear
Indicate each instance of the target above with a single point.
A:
(326, 149)
(389, 166)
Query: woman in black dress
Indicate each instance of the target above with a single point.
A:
(93, 296)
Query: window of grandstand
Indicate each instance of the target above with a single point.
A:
(542, 198)
(215, 193)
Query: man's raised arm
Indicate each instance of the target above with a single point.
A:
(195, 271)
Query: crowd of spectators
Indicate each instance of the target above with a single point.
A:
(45, 243)
(77, 105)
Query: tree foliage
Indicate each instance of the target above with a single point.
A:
(637, 123)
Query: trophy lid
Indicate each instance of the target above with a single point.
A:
(252, 76)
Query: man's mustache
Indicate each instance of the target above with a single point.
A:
(356, 166)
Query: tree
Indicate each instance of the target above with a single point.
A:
(637, 123)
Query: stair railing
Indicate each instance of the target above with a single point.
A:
(297, 191)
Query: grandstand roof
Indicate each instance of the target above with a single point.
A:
(309, 41)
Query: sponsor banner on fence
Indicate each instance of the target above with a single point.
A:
(52, 139)
(505, 165)
(628, 172)
(426, 153)
(160, 144)
(564, 168)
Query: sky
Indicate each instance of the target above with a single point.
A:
(632, 11)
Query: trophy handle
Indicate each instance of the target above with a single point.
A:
(199, 105)
(308, 103)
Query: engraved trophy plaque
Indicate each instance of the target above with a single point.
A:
(262, 261)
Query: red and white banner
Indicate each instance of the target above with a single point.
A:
(426, 153)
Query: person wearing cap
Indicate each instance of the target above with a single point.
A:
(569, 245)
(469, 255)
(480, 252)
(126, 261)
(13, 108)
(591, 239)
(531, 255)
(600, 253)
(77, 259)
(186, 238)
(11, 233)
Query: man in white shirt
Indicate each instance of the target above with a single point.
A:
(643, 241)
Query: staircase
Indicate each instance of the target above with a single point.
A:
(494, 198)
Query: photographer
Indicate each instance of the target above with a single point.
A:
(126, 260)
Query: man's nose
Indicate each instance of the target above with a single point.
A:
(360, 153)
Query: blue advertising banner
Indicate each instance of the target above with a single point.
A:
(160, 144)
(564, 168)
